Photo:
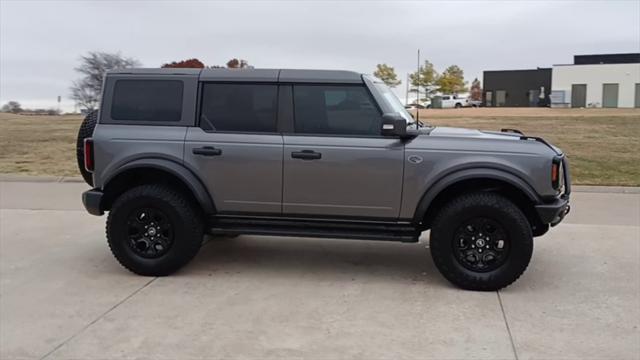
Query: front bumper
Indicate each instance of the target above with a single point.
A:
(92, 200)
(554, 212)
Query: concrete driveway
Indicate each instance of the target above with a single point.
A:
(62, 295)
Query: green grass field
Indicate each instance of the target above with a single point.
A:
(603, 145)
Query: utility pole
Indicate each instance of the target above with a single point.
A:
(406, 94)
(418, 90)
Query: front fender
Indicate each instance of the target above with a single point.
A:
(468, 174)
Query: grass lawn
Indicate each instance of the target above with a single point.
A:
(603, 145)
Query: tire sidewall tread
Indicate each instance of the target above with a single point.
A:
(185, 219)
(489, 205)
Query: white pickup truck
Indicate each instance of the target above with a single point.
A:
(447, 101)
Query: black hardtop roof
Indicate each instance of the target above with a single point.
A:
(255, 75)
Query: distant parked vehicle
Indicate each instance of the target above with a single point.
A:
(448, 101)
(424, 104)
(474, 103)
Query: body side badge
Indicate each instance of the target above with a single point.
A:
(415, 159)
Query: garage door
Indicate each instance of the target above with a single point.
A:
(578, 95)
(610, 95)
(637, 102)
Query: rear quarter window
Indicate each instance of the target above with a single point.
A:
(147, 100)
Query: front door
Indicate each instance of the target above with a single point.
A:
(237, 151)
(337, 163)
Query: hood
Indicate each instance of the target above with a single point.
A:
(471, 133)
(497, 138)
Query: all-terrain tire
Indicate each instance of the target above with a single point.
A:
(185, 223)
(85, 131)
(481, 205)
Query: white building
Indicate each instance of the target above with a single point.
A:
(597, 81)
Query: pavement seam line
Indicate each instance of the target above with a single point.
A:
(98, 318)
(504, 316)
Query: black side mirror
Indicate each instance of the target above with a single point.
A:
(393, 125)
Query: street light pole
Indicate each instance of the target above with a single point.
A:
(418, 91)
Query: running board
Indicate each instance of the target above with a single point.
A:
(320, 229)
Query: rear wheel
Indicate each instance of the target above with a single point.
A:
(481, 241)
(458, 106)
(153, 230)
(85, 131)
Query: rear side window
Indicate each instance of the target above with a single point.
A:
(335, 109)
(239, 107)
(147, 100)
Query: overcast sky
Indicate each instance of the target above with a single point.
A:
(41, 41)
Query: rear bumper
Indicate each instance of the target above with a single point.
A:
(553, 213)
(91, 200)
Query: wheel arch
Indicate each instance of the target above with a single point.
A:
(153, 171)
(479, 179)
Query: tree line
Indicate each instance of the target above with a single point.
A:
(86, 90)
(427, 79)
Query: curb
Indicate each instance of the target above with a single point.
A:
(606, 189)
(78, 179)
(40, 179)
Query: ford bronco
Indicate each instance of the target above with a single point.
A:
(174, 154)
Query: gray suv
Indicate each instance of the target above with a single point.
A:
(174, 154)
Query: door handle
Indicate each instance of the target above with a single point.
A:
(207, 151)
(306, 155)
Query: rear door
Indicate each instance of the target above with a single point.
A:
(236, 149)
(336, 163)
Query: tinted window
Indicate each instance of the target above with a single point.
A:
(239, 107)
(147, 100)
(323, 109)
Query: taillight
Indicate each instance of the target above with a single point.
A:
(556, 172)
(88, 154)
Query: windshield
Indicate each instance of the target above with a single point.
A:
(393, 101)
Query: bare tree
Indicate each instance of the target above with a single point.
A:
(12, 107)
(86, 90)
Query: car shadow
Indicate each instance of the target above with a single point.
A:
(337, 259)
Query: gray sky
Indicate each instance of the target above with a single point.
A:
(40, 41)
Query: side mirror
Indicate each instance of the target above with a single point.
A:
(393, 125)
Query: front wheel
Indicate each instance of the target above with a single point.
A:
(153, 230)
(481, 241)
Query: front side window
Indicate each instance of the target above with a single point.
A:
(239, 107)
(147, 100)
(335, 109)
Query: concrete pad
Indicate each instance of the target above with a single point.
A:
(45, 196)
(62, 295)
(604, 208)
(269, 297)
(580, 297)
(57, 275)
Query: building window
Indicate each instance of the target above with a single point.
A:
(488, 98)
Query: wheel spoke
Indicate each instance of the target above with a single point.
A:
(481, 244)
(150, 232)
